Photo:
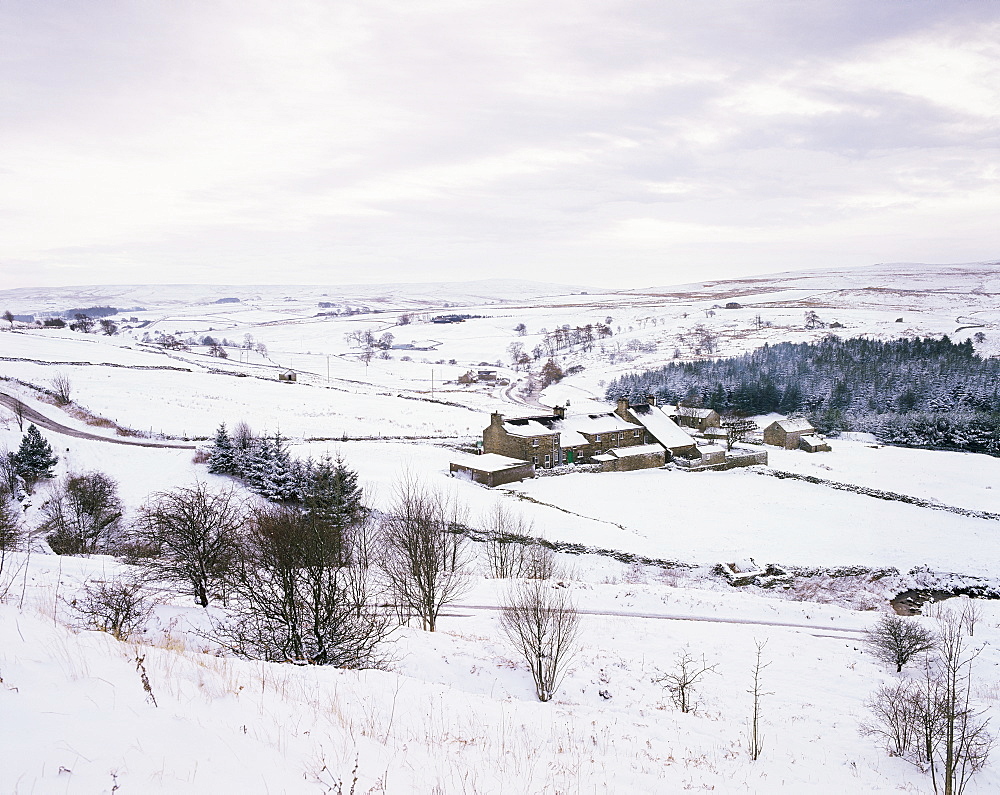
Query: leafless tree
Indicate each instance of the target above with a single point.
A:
(507, 533)
(19, 411)
(755, 742)
(895, 640)
(425, 551)
(11, 532)
(737, 429)
(542, 622)
(972, 614)
(931, 721)
(294, 600)
(9, 317)
(895, 717)
(682, 681)
(83, 514)
(63, 389)
(540, 563)
(190, 536)
(10, 481)
(965, 741)
(119, 607)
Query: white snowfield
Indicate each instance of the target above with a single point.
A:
(455, 712)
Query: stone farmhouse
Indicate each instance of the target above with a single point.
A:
(556, 439)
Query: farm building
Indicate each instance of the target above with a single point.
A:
(787, 433)
(491, 469)
(813, 444)
(658, 426)
(699, 419)
(627, 459)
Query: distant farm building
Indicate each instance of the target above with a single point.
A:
(699, 419)
(788, 433)
(448, 319)
(288, 375)
(491, 469)
(813, 444)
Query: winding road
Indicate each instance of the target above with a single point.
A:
(39, 419)
(817, 629)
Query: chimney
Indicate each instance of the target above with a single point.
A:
(559, 412)
(622, 405)
(496, 418)
(651, 400)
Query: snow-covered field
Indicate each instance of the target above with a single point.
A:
(456, 712)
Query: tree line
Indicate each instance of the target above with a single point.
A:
(923, 392)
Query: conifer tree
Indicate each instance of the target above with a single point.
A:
(35, 458)
(222, 458)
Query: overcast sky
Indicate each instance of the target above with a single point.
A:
(599, 142)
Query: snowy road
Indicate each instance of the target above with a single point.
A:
(818, 627)
(39, 419)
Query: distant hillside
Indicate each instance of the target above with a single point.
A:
(414, 295)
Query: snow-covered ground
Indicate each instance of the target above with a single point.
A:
(456, 712)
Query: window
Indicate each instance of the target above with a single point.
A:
(534, 442)
(534, 460)
(548, 461)
(597, 438)
(636, 434)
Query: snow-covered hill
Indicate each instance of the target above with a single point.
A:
(455, 712)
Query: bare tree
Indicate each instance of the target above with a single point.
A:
(507, 533)
(965, 742)
(896, 717)
(682, 681)
(9, 317)
(19, 410)
(895, 640)
(294, 599)
(11, 532)
(737, 429)
(543, 624)
(425, 551)
(190, 536)
(755, 742)
(83, 514)
(63, 389)
(931, 721)
(119, 607)
(972, 614)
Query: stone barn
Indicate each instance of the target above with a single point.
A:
(787, 433)
(491, 469)
(699, 419)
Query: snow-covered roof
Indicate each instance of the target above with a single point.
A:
(491, 462)
(602, 457)
(686, 411)
(596, 423)
(572, 439)
(812, 439)
(794, 425)
(711, 449)
(528, 428)
(667, 432)
(638, 449)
